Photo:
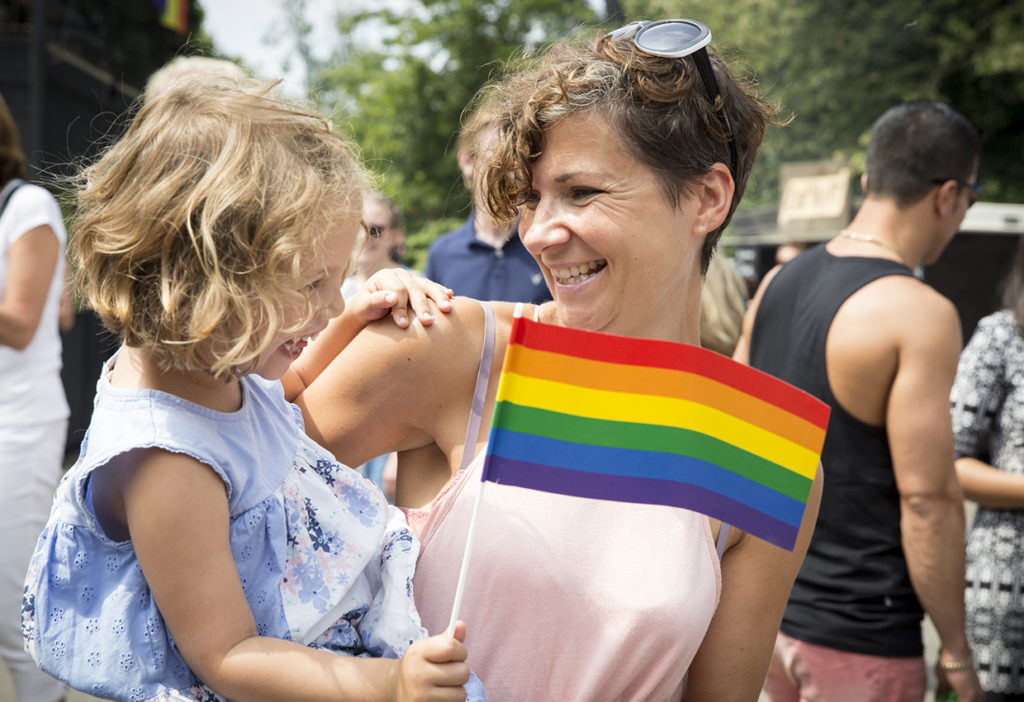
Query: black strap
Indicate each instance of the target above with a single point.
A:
(8, 191)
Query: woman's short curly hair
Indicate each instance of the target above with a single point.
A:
(193, 229)
(658, 107)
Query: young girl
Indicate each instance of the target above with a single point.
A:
(203, 547)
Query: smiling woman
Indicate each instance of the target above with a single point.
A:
(626, 160)
(590, 205)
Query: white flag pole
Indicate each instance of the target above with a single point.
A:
(465, 560)
(460, 587)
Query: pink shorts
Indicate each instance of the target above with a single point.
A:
(803, 672)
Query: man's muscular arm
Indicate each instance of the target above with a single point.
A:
(921, 442)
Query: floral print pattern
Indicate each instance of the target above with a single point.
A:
(988, 424)
(323, 559)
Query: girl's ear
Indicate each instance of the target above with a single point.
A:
(714, 196)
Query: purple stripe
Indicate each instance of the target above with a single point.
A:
(653, 491)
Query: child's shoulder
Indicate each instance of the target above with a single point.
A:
(259, 439)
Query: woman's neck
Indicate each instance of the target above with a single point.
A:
(135, 369)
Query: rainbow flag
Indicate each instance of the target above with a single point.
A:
(639, 420)
(173, 14)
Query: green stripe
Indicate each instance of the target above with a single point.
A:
(650, 437)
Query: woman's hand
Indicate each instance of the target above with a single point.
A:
(397, 290)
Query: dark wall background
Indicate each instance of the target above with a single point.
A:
(970, 273)
(79, 112)
(69, 72)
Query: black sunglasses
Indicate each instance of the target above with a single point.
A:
(973, 187)
(677, 38)
(373, 231)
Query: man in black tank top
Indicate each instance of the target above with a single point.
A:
(848, 322)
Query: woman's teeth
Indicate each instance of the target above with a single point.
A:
(571, 275)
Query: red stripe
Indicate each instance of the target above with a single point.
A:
(657, 353)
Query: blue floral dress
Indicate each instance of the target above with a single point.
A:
(322, 558)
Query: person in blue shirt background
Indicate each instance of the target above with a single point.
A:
(482, 259)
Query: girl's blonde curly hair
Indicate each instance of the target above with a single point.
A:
(658, 108)
(193, 229)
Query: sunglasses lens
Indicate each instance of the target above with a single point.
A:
(673, 38)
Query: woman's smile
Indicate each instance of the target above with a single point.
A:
(607, 237)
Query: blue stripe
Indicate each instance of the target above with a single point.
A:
(546, 478)
(587, 458)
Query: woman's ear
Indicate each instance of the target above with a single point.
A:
(714, 197)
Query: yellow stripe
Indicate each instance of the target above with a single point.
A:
(652, 409)
(169, 19)
(666, 382)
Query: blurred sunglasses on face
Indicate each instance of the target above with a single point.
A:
(973, 187)
(373, 231)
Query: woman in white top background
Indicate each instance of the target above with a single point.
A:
(33, 409)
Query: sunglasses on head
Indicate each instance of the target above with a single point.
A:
(678, 38)
(973, 187)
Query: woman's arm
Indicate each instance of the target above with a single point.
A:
(756, 579)
(31, 261)
(186, 557)
(989, 486)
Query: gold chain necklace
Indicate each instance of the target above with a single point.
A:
(846, 233)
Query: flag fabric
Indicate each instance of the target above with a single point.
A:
(173, 14)
(647, 421)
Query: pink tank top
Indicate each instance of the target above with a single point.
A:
(568, 598)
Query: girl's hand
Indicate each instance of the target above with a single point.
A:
(392, 290)
(397, 290)
(433, 669)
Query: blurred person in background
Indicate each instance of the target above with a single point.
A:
(33, 410)
(723, 301)
(380, 243)
(988, 433)
(484, 259)
(848, 322)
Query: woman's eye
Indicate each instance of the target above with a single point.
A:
(315, 285)
(584, 193)
(531, 200)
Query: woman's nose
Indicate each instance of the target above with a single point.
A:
(543, 227)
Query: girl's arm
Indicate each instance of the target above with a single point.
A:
(176, 513)
(393, 290)
(756, 579)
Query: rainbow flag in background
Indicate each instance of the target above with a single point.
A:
(638, 420)
(173, 14)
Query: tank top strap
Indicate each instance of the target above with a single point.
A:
(483, 375)
(723, 538)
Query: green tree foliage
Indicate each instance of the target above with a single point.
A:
(835, 67)
(402, 80)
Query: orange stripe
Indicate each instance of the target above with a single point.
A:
(645, 380)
